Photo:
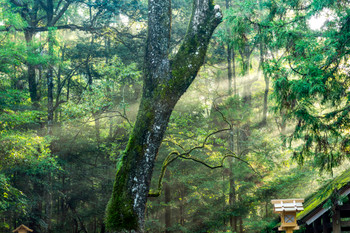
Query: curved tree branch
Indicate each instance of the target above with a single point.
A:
(187, 156)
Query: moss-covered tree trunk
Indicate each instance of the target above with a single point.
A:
(165, 81)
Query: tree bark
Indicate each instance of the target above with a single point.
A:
(232, 198)
(266, 78)
(164, 81)
(247, 90)
(234, 72)
(230, 72)
(51, 38)
(241, 229)
(31, 69)
(183, 191)
(266, 95)
(50, 109)
(229, 68)
(167, 200)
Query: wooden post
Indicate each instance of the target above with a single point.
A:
(336, 221)
(316, 225)
(325, 220)
(309, 229)
(289, 230)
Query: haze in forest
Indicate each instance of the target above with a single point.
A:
(146, 116)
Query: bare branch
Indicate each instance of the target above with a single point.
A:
(61, 12)
(174, 155)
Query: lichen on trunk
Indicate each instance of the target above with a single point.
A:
(164, 83)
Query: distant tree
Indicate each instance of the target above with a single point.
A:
(164, 81)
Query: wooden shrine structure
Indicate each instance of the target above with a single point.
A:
(327, 210)
(22, 229)
(287, 209)
(324, 210)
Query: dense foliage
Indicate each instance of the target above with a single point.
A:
(268, 110)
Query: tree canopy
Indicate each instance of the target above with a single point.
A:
(168, 116)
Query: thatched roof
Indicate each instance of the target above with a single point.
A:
(316, 201)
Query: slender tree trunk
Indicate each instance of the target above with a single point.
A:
(48, 206)
(243, 132)
(51, 38)
(229, 68)
(182, 206)
(266, 95)
(31, 68)
(164, 83)
(224, 204)
(283, 128)
(229, 56)
(232, 185)
(97, 129)
(103, 227)
(247, 90)
(233, 58)
(232, 199)
(167, 199)
(50, 84)
(266, 78)
(50, 109)
(241, 229)
(88, 71)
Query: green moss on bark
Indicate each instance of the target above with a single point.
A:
(119, 213)
(162, 90)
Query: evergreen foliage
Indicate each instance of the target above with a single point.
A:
(266, 113)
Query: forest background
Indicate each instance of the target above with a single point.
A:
(267, 116)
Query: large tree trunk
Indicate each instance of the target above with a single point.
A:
(164, 83)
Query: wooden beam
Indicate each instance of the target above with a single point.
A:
(318, 213)
(344, 207)
(278, 201)
(345, 223)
